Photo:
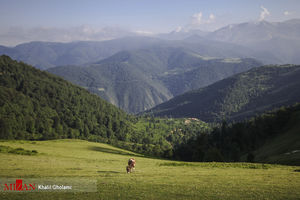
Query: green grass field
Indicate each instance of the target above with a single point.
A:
(152, 179)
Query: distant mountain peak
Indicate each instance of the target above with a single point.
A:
(293, 21)
(194, 37)
(179, 29)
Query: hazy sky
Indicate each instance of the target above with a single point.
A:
(144, 16)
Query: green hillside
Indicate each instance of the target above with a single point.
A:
(36, 105)
(140, 79)
(152, 179)
(238, 97)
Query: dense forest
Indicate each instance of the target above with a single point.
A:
(271, 137)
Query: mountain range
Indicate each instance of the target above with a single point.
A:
(137, 73)
(140, 79)
(281, 39)
(44, 55)
(269, 42)
(238, 97)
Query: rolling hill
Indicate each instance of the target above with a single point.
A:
(238, 97)
(140, 79)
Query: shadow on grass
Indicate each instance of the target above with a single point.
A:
(74, 168)
(112, 172)
(107, 150)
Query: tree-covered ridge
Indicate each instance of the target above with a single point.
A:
(272, 137)
(36, 105)
(237, 97)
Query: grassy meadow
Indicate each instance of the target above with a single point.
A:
(152, 179)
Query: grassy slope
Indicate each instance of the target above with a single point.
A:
(153, 178)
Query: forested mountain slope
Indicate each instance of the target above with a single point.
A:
(38, 105)
(238, 97)
(140, 79)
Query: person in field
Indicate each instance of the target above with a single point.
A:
(131, 165)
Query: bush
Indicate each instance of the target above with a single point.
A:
(20, 151)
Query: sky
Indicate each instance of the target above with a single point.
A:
(66, 20)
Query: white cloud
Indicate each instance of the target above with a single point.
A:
(202, 22)
(198, 20)
(264, 13)
(212, 17)
(287, 13)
